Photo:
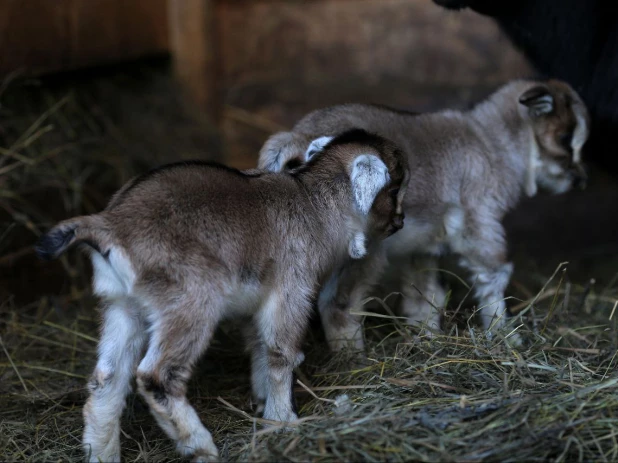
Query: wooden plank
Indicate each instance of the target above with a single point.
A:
(42, 36)
(105, 30)
(34, 35)
(194, 51)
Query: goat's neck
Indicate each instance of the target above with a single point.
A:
(331, 201)
(510, 147)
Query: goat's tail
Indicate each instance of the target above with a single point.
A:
(89, 229)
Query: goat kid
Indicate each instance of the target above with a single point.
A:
(186, 245)
(468, 169)
(572, 40)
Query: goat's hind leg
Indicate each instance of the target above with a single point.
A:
(259, 364)
(282, 323)
(123, 337)
(179, 334)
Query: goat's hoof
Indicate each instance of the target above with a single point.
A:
(350, 341)
(199, 447)
(204, 458)
(359, 360)
(515, 340)
(206, 455)
(283, 419)
(426, 334)
(111, 453)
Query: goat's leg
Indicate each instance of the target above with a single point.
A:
(123, 337)
(344, 292)
(484, 256)
(282, 323)
(342, 329)
(490, 282)
(259, 364)
(423, 295)
(179, 335)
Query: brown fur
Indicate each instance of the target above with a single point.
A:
(182, 247)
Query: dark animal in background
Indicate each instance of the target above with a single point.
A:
(573, 40)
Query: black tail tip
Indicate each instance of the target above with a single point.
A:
(53, 243)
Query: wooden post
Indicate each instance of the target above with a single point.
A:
(193, 46)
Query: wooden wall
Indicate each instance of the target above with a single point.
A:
(41, 36)
(276, 59)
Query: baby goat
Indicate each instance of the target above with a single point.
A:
(468, 169)
(186, 245)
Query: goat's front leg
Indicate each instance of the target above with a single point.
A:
(123, 336)
(485, 257)
(341, 329)
(344, 292)
(423, 295)
(282, 323)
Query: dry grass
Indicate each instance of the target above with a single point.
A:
(455, 397)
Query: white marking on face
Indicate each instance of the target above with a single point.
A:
(534, 159)
(580, 134)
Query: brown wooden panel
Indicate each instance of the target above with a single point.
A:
(34, 34)
(50, 35)
(104, 30)
(195, 51)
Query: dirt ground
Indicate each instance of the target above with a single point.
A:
(66, 143)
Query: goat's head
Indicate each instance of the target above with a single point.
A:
(378, 178)
(284, 151)
(560, 127)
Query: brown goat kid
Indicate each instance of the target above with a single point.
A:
(468, 168)
(186, 245)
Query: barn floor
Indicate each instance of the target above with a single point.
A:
(67, 143)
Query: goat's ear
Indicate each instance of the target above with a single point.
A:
(369, 175)
(316, 146)
(538, 100)
(279, 149)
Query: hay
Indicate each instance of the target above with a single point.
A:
(454, 397)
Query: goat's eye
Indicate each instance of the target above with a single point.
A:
(393, 192)
(292, 164)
